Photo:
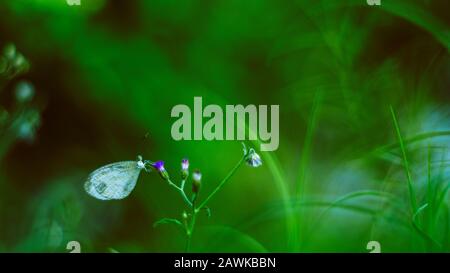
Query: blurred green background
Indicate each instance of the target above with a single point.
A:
(107, 73)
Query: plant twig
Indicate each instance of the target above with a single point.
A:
(230, 174)
(181, 190)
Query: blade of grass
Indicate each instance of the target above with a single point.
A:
(275, 169)
(429, 192)
(280, 182)
(447, 229)
(307, 145)
(412, 194)
(442, 195)
(414, 13)
(416, 138)
(304, 161)
(348, 197)
(273, 211)
(430, 241)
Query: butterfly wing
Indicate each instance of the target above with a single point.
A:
(113, 181)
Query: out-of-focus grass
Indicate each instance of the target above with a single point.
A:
(108, 72)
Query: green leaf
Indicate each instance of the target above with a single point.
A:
(164, 221)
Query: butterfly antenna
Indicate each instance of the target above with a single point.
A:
(141, 146)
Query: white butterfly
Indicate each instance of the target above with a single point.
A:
(115, 180)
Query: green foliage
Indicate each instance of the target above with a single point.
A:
(364, 111)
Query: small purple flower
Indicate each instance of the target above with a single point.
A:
(159, 166)
(196, 181)
(185, 164)
(184, 168)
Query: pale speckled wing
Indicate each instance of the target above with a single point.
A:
(113, 181)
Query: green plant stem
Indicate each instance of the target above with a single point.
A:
(230, 174)
(190, 228)
(195, 210)
(181, 190)
(188, 242)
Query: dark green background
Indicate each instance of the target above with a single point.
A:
(108, 72)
